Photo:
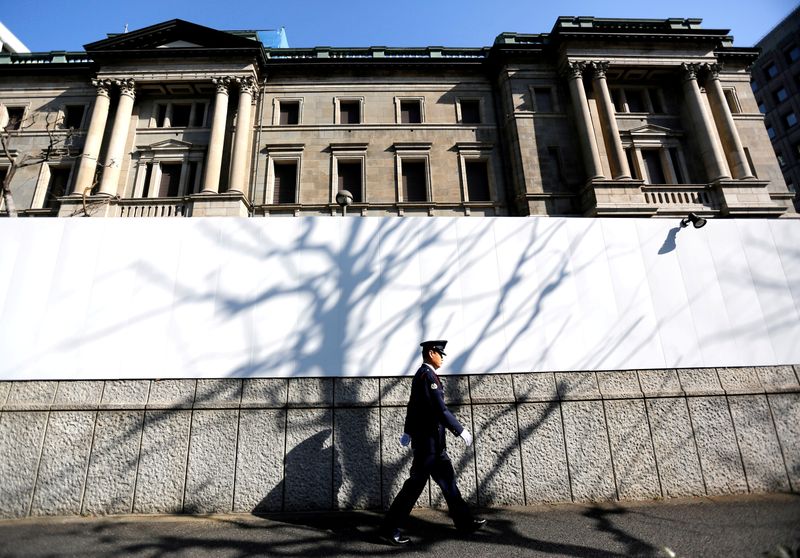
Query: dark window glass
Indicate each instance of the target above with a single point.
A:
(754, 85)
(478, 181)
(771, 71)
(414, 183)
(673, 156)
(148, 173)
(349, 112)
(771, 132)
(470, 111)
(57, 186)
(793, 54)
(635, 100)
(631, 166)
(553, 171)
(180, 116)
(290, 113)
(791, 119)
(762, 108)
(15, 115)
(161, 115)
(170, 180)
(652, 160)
(73, 116)
(655, 101)
(285, 186)
(199, 115)
(190, 183)
(543, 99)
(350, 178)
(410, 112)
(781, 95)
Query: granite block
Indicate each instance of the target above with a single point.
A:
(161, 477)
(31, 396)
(700, 381)
(660, 383)
(716, 445)
(456, 390)
(21, 436)
(739, 380)
(491, 388)
(395, 391)
(396, 458)
(356, 392)
(777, 379)
(623, 384)
(172, 394)
(498, 459)
(588, 454)
(111, 478)
(573, 386)
(635, 468)
(77, 395)
(309, 459)
(265, 393)
(758, 444)
(62, 468)
(125, 394)
(212, 461)
(544, 458)
(535, 386)
(357, 458)
(463, 459)
(259, 461)
(218, 394)
(310, 392)
(786, 414)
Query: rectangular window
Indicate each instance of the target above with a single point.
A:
(161, 115)
(543, 100)
(199, 118)
(15, 115)
(470, 111)
(733, 102)
(73, 116)
(635, 100)
(676, 165)
(148, 173)
(170, 180)
(617, 99)
(781, 95)
(791, 119)
(771, 132)
(414, 181)
(793, 54)
(180, 116)
(191, 182)
(349, 112)
(762, 108)
(631, 166)
(655, 100)
(349, 173)
(285, 184)
(771, 71)
(754, 85)
(56, 186)
(652, 162)
(478, 181)
(290, 113)
(410, 112)
(750, 162)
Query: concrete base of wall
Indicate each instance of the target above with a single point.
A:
(201, 446)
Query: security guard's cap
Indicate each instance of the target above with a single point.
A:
(437, 345)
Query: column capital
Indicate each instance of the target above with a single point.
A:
(222, 83)
(573, 70)
(246, 84)
(598, 69)
(713, 70)
(102, 86)
(690, 70)
(126, 87)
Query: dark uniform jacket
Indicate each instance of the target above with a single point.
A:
(427, 416)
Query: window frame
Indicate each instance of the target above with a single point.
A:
(646, 91)
(43, 182)
(282, 153)
(413, 151)
(399, 100)
(554, 104)
(276, 110)
(337, 114)
(5, 115)
(62, 115)
(169, 104)
(476, 152)
(167, 152)
(348, 153)
(731, 98)
(481, 110)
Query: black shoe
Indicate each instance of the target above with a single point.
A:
(473, 525)
(394, 537)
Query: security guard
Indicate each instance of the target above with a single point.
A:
(427, 417)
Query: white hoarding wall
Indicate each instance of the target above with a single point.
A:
(180, 298)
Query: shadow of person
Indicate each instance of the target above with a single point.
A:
(669, 242)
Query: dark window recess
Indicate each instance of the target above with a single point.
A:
(631, 166)
(616, 98)
(730, 98)
(148, 174)
(673, 157)
(478, 181)
(57, 185)
(350, 178)
(285, 185)
(410, 112)
(793, 54)
(73, 116)
(762, 108)
(15, 115)
(635, 100)
(161, 115)
(290, 113)
(543, 99)
(199, 115)
(170, 180)
(349, 112)
(655, 101)
(771, 132)
(781, 95)
(414, 183)
(470, 111)
(750, 162)
(180, 116)
(190, 183)
(652, 160)
(771, 71)
(754, 85)
(791, 119)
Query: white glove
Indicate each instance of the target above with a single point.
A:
(467, 437)
(405, 439)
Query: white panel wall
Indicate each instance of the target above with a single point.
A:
(101, 298)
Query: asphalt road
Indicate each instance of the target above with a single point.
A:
(747, 526)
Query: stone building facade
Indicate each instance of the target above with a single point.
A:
(599, 117)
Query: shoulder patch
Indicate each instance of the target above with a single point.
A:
(434, 386)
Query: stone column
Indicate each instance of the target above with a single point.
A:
(217, 139)
(119, 136)
(591, 155)
(241, 140)
(608, 118)
(734, 151)
(94, 138)
(710, 148)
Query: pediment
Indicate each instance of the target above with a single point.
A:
(651, 129)
(166, 145)
(173, 34)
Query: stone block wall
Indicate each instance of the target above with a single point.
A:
(243, 445)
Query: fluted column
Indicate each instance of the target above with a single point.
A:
(711, 150)
(616, 154)
(734, 151)
(217, 139)
(94, 137)
(241, 141)
(119, 135)
(583, 119)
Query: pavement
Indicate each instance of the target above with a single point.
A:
(746, 526)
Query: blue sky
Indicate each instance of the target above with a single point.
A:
(49, 26)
